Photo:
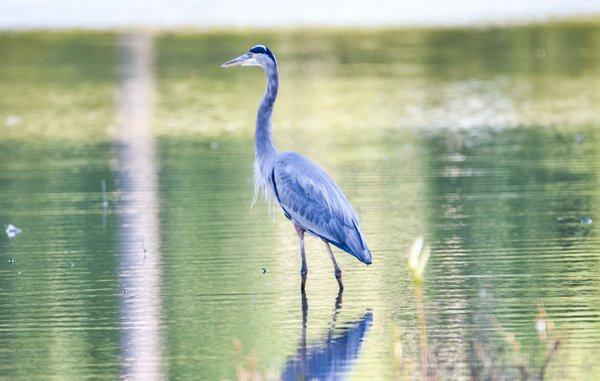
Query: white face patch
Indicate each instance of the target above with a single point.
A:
(251, 62)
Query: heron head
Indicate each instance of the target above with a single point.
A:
(258, 55)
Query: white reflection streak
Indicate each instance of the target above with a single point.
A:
(139, 271)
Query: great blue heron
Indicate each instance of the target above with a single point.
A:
(308, 196)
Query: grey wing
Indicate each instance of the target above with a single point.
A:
(310, 198)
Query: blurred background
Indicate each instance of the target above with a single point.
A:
(130, 248)
(24, 14)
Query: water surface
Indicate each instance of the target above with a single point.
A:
(484, 141)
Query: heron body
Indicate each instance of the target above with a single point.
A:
(308, 196)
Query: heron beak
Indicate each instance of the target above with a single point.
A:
(243, 60)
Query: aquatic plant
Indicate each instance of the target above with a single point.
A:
(489, 359)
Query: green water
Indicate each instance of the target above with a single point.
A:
(484, 141)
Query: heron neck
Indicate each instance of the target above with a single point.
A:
(264, 146)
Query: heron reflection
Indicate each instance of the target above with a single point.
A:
(333, 356)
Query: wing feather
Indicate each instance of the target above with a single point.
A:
(310, 198)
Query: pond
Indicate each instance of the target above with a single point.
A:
(140, 255)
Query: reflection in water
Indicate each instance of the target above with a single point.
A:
(502, 207)
(334, 355)
(141, 348)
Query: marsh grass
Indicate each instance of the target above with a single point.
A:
(491, 359)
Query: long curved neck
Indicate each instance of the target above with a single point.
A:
(264, 149)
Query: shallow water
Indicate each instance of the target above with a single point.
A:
(465, 137)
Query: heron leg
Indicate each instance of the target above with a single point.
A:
(304, 268)
(338, 272)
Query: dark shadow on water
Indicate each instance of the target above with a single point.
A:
(332, 356)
